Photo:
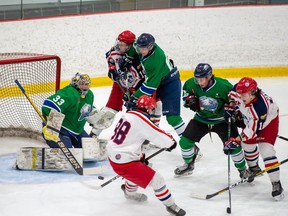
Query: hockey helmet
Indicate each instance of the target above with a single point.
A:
(127, 37)
(203, 70)
(147, 104)
(145, 40)
(245, 85)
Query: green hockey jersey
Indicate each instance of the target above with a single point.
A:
(69, 102)
(211, 100)
(156, 66)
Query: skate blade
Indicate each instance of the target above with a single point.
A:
(199, 156)
(184, 175)
(280, 197)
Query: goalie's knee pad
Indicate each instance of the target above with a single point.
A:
(101, 119)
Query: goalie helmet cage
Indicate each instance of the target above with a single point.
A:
(39, 74)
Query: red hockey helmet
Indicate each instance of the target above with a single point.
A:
(146, 103)
(127, 37)
(246, 84)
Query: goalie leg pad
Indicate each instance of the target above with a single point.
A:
(45, 159)
(94, 149)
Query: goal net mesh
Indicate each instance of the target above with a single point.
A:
(40, 77)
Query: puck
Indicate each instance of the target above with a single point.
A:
(101, 177)
(228, 210)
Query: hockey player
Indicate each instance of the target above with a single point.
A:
(162, 77)
(261, 118)
(75, 101)
(125, 79)
(128, 161)
(206, 95)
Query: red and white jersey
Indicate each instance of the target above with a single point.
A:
(131, 131)
(133, 76)
(257, 115)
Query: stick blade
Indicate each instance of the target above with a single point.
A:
(90, 185)
(198, 196)
(95, 170)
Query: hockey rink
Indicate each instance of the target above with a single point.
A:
(31, 193)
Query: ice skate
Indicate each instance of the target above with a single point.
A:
(175, 210)
(244, 174)
(277, 191)
(139, 197)
(187, 168)
(199, 153)
(253, 171)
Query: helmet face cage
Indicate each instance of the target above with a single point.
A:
(147, 104)
(81, 82)
(203, 70)
(145, 40)
(246, 85)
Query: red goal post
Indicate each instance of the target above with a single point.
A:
(39, 74)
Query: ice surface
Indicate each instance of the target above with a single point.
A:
(63, 194)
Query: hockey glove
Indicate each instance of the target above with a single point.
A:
(113, 74)
(143, 159)
(125, 62)
(48, 135)
(132, 103)
(231, 145)
(192, 101)
(229, 112)
(173, 146)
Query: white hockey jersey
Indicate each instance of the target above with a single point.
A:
(131, 78)
(131, 131)
(256, 115)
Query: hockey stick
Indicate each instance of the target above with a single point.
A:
(123, 90)
(117, 176)
(228, 210)
(67, 153)
(209, 196)
(281, 137)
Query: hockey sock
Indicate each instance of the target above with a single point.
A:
(177, 123)
(238, 158)
(187, 149)
(160, 190)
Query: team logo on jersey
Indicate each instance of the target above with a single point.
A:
(209, 104)
(118, 156)
(85, 111)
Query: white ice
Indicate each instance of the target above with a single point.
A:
(62, 194)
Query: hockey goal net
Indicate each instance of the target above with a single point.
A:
(40, 77)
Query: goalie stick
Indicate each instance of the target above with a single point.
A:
(117, 176)
(67, 153)
(209, 196)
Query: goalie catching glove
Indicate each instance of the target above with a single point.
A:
(231, 145)
(101, 119)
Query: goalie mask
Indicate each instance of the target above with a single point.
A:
(82, 83)
(146, 104)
